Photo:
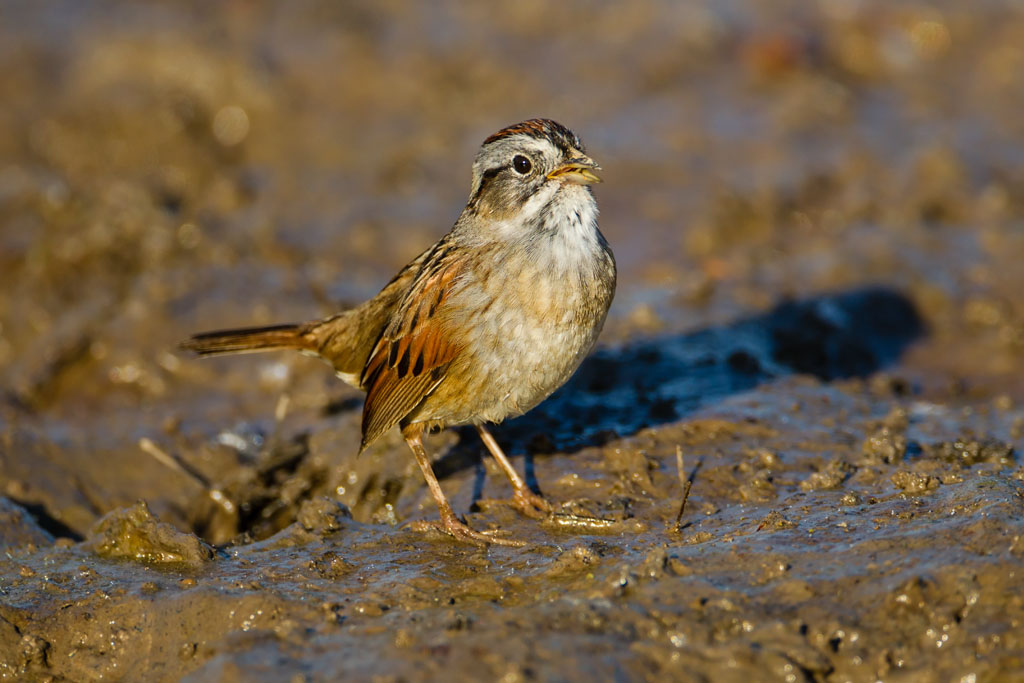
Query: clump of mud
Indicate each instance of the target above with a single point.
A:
(135, 534)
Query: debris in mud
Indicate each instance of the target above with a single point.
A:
(914, 482)
(851, 498)
(322, 515)
(577, 559)
(888, 443)
(22, 657)
(686, 482)
(967, 452)
(884, 446)
(831, 476)
(136, 534)
(775, 521)
(331, 566)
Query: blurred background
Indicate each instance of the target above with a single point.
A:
(171, 167)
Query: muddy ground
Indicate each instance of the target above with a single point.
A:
(818, 212)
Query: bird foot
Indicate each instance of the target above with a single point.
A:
(463, 534)
(528, 503)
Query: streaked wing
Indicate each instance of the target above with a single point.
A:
(414, 351)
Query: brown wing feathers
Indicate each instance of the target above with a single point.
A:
(412, 356)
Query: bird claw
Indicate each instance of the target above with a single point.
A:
(526, 502)
(463, 534)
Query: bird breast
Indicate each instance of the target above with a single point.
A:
(530, 312)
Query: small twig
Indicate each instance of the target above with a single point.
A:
(164, 458)
(167, 460)
(281, 409)
(687, 483)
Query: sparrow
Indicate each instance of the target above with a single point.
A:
(483, 325)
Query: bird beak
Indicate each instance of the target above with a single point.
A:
(580, 171)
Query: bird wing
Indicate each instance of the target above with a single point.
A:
(414, 351)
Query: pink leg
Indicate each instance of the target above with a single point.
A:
(524, 500)
(450, 524)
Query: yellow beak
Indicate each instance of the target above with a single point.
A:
(579, 171)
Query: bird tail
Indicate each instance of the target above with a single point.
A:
(250, 340)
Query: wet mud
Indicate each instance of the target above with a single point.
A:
(794, 456)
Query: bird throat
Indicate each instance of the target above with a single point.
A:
(567, 223)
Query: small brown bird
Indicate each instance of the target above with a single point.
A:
(486, 323)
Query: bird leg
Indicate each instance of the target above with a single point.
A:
(524, 500)
(450, 524)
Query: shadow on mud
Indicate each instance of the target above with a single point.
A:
(619, 391)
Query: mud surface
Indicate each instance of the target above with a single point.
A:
(817, 211)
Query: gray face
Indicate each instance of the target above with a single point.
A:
(513, 166)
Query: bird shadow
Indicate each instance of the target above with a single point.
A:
(618, 391)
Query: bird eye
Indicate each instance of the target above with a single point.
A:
(521, 164)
